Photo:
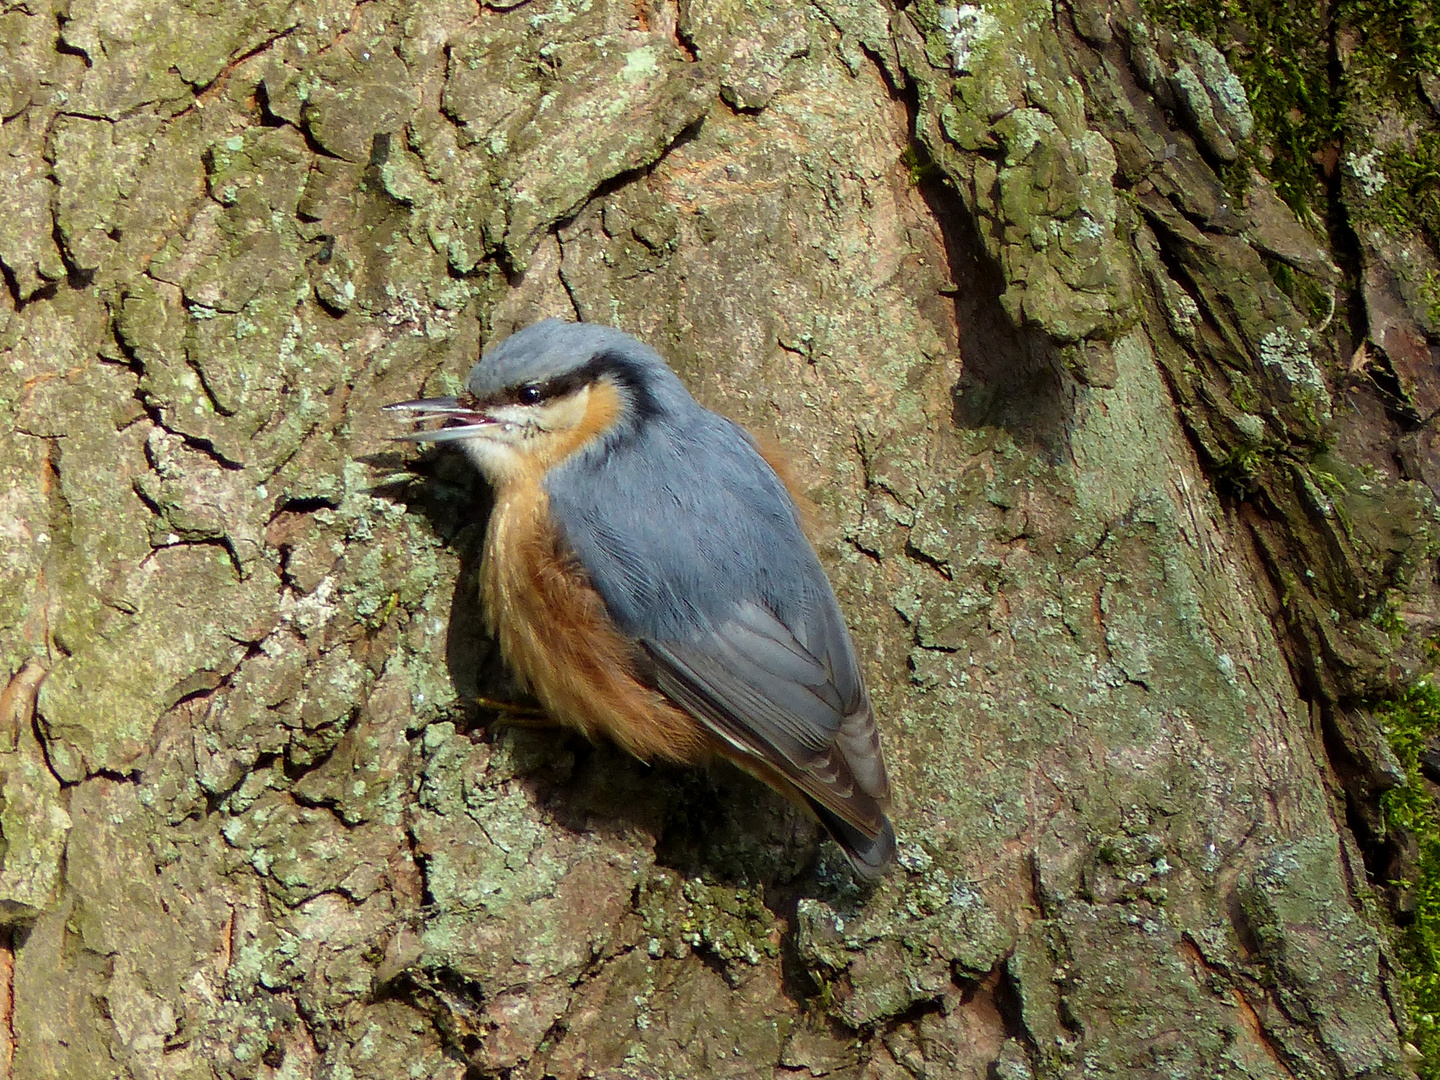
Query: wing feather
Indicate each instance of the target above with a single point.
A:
(779, 708)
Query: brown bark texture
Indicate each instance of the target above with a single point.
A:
(1128, 535)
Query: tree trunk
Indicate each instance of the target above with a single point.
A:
(1109, 368)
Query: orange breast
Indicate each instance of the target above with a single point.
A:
(558, 637)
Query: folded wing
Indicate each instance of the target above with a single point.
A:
(789, 705)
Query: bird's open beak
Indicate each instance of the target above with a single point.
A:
(460, 422)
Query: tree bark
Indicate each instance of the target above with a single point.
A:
(1123, 463)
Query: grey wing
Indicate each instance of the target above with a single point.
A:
(793, 705)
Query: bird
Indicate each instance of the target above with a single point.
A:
(647, 574)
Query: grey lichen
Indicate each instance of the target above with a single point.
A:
(1288, 359)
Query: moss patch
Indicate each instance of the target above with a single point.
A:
(1280, 52)
(1401, 39)
(1411, 722)
(1411, 195)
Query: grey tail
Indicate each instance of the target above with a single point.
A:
(870, 855)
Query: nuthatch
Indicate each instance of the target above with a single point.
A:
(647, 576)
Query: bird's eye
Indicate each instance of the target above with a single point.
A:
(529, 395)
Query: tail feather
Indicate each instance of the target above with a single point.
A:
(870, 855)
(870, 851)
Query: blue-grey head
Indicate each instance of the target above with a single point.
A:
(548, 390)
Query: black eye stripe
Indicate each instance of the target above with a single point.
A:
(602, 365)
(558, 387)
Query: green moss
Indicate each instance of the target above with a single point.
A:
(1430, 294)
(1314, 300)
(1386, 617)
(1400, 40)
(1411, 722)
(1243, 393)
(1280, 52)
(1239, 474)
(918, 164)
(1410, 198)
